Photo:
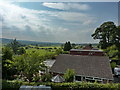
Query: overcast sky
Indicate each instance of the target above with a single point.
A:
(55, 22)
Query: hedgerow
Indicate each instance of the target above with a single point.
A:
(65, 86)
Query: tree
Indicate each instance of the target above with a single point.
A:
(73, 45)
(59, 51)
(69, 75)
(67, 46)
(29, 64)
(7, 70)
(90, 45)
(113, 65)
(118, 35)
(7, 53)
(14, 45)
(118, 41)
(46, 77)
(109, 35)
(106, 33)
(113, 52)
(21, 51)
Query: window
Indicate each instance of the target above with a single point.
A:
(78, 78)
(90, 53)
(98, 79)
(89, 78)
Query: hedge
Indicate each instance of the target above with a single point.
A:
(59, 86)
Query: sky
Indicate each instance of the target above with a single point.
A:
(55, 21)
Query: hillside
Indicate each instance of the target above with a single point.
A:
(25, 42)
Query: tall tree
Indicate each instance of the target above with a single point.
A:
(7, 53)
(118, 36)
(15, 45)
(67, 46)
(106, 33)
(109, 35)
(7, 70)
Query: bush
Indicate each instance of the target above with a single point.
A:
(69, 75)
(113, 64)
(64, 86)
(11, 84)
(46, 77)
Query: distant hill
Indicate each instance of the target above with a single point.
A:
(25, 42)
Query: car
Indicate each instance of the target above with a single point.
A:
(117, 71)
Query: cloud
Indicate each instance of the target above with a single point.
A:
(83, 19)
(67, 6)
(42, 25)
(20, 17)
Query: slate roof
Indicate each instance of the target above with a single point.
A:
(94, 66)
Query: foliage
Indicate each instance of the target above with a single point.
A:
(106, 33)
(36, 77)
(21, 51)
(113, 52)
(58, 51)
(28, 64)
(46, 77)
(11, 84)
(69, 75)
(14, 45)
(78, 47)
(65, 86)
(7, 70)
(67, 46)
(73, 45)
(65, 52)
(113, 65)
(109, 35)
(7, 53)
(44, 53)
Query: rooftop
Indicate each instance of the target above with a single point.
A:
(49, 62)
(93, 66)
(94, 50)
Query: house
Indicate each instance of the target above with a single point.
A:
(87, 67)
(90, 52)
(88, 47)
(87, 50)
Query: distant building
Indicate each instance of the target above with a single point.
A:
(87, 50)
(88, 47)
(90, 52)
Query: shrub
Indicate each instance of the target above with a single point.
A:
(113, 64)
(59, 86)
(69, 75)
(46, 77)
(11, 84)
